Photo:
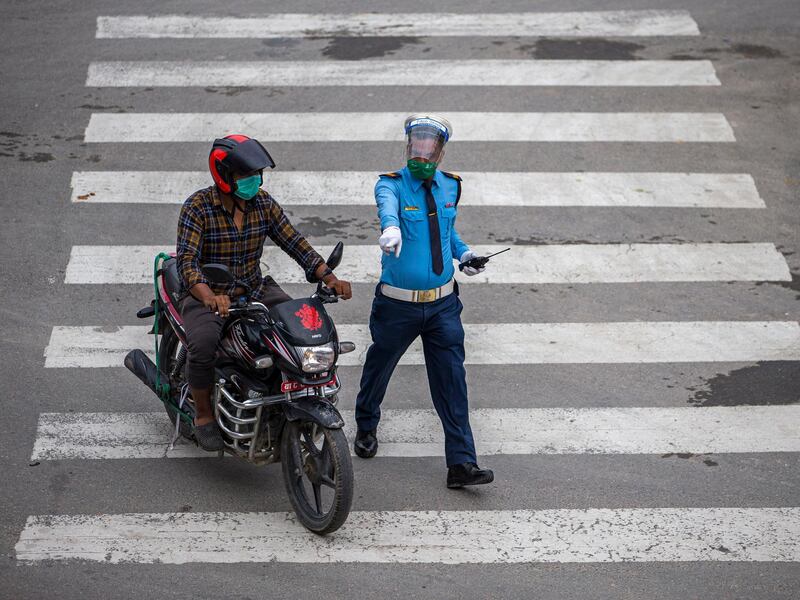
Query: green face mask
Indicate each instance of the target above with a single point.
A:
(248, 187)
(421, 170)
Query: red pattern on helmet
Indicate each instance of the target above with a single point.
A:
(216, 156)
(309, 317)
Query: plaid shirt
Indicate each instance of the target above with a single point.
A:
(207, 234)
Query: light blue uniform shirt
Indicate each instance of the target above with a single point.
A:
(401, 203)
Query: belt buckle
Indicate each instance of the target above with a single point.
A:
(426, 295)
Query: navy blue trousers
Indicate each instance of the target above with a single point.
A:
(394, 324)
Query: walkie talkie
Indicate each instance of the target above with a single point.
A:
(479, 261)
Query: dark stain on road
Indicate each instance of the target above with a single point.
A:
(536, 241)
(765, 383)
(793, 285)
(745, 50)
(356, 48)
(280, 42)
(756, 51)
(544, 241)
(587, 48)
(235, 90)
(687, 455)
(331, 226)
(36, 157)
(113, 107)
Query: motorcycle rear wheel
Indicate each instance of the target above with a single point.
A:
(168, 349)
(314, 459)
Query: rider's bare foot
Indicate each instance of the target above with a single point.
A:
(203, 415)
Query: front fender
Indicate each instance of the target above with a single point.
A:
(314, 409)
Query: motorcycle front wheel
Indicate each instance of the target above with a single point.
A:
(318, 475)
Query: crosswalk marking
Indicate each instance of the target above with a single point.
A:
(544, 264)
(505, 343)
(602, 535)
(355, 188)
(414, 433)
(480, 72)
(561, 24)
(386, 126)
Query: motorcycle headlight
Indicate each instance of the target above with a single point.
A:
(316, 359)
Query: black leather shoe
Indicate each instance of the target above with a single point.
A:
(467, 474)
(366, 444)
(209, 437)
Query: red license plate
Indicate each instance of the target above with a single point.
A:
(296, 386)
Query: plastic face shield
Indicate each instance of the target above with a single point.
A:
(425, 143)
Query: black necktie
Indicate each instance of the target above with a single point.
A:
(433, 226)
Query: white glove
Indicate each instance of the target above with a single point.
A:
(391, 240)
(468, 255)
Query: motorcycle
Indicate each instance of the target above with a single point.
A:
(276, 388)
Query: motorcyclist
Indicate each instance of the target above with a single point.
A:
(228, 223)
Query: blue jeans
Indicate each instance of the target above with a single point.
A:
(394, 324)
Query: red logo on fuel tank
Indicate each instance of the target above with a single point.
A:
(309, 317)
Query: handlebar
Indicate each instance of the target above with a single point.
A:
(325, 294)
(250, 306)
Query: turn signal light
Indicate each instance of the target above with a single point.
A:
(345, 347)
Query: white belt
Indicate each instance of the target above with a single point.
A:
(417, 295)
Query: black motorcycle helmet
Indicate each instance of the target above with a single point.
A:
(236, 154)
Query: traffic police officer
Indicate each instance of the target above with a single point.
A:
(417, 296)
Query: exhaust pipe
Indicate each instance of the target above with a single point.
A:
(145, 369)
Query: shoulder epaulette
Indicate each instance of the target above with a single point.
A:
(458, 181)
(393, 175)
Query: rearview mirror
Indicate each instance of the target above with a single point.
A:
(336, 256)
(218, 273)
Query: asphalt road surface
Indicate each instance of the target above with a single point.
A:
(633, 362)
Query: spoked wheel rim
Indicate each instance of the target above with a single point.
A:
(169, 349)
(318, 475)
(315, 468)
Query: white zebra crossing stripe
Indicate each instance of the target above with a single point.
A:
(480, 72)
(605, 535)
(561, 24)
(355, 188)
(505, 343)
(545, 264)
(413, 433)
(381, 127)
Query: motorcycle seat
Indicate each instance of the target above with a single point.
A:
(172, 281)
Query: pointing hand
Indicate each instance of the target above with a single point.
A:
(391, 240)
